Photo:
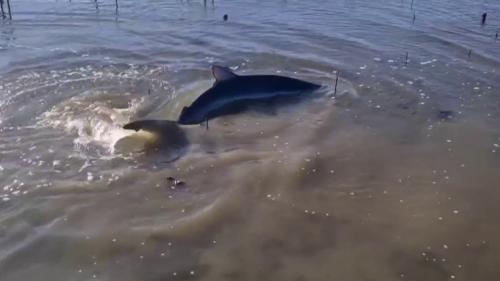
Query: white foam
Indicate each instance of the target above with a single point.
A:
(96, 122)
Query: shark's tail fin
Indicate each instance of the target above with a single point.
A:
(170, 133)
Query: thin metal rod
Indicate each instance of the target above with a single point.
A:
(336, 82)
(8, 6)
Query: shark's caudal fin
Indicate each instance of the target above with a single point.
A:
(222, 73)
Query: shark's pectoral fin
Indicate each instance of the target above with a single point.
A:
(222, 73)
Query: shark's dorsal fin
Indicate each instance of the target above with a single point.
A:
(222, 73)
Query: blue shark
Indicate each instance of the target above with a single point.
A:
(230, 94)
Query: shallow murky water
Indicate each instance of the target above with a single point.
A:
(397, 178)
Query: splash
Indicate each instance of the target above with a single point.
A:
(96, 117)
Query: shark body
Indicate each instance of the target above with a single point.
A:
(230, 94)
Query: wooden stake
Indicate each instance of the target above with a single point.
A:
(470, 53)
(1, 9)
(406, 59)
(483, 18)
(8, 6)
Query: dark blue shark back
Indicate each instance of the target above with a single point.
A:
(236, 94)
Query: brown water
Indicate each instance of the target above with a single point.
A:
(397, 178)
